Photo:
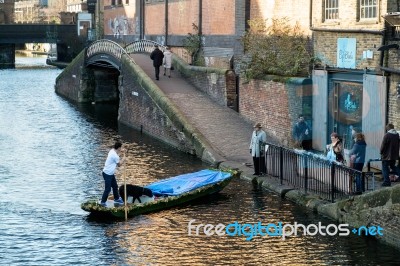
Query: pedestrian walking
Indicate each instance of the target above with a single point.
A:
(257, 149)
(302, 134)
(167, 62)
(157, 57)
(390, 153)
(113, 160)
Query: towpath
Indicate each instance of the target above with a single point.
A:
(226, 131)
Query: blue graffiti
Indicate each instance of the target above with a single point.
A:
(350, 105)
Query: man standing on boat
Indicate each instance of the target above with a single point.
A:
(257, 146)
(110, 181)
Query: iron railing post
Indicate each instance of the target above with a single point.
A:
(332, 182)
(305, 173)
(281, 165)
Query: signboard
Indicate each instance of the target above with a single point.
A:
(346, 52)
(91, 6)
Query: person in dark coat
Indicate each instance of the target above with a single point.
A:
(357, 159)
(302, 134)
(390, 153)
(157, 56)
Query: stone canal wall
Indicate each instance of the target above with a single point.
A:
(377, 208)
(74, 82)
(145, 107)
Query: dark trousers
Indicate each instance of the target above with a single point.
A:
(109, 182)
(385, 170)
(259, 165)
(157, 69)
(360, 186)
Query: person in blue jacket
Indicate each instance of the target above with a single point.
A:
(357, 159)
(302, 134)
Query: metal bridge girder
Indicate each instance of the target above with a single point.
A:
(107, 53)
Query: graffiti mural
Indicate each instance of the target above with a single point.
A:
(121, 25)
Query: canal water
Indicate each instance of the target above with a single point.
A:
(52, 152)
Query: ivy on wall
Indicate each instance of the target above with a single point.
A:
(276, 48)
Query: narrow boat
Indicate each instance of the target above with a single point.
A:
(168, 193)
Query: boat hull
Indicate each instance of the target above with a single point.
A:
(96, 210)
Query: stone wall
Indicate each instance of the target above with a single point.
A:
(377, 208)
(325, 48)
(145, 107)
(219, 84)
(394, 101)
(349, 15)
(276, 105)
(68, 83)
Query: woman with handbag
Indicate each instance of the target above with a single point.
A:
(168, 62)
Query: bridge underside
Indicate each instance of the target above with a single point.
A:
(69, 44)
(103, 60)
(105, 83)
(26, 33)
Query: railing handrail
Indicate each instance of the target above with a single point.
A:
(143, 46)
(330, 179)
(105, 46)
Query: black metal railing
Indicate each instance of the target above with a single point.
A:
(314, 173)
(143, 46)
(106, 47)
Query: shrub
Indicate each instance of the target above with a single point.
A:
(277, 48)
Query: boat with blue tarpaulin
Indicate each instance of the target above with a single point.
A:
(167, 193)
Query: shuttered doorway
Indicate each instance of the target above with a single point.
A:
(374, 114)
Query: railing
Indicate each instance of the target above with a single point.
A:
(141, 46)
(105, 46)
(313, 173)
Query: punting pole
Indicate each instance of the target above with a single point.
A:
(125, 203)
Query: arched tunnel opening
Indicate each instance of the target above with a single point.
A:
(106, 87)
(104, 83)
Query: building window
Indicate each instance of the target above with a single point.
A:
(331, 9)
(368, 9)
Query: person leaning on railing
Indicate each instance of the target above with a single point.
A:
(335, 149)
(357, 159)
(302, 134)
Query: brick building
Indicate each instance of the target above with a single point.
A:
(347, 36)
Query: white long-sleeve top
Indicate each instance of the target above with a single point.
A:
(258, 139)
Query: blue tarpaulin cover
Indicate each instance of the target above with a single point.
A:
(187, 182)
